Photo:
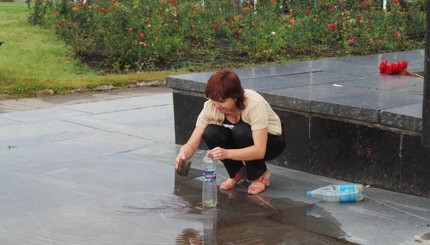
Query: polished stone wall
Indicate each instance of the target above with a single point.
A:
(371, 154)
(343, 118)
(378, 156)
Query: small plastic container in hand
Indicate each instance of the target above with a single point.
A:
(183, 167)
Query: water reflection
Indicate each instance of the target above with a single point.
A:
(193, 237)
(210, 225)
(189, 237)
(252, 219)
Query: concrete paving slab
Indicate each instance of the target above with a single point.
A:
(296, 80)
(120, 104)
(385, 82)
(146, 123)
(92, 174)
(41, 114)
(4, 122)
(336, 99)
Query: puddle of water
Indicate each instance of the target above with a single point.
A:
(239, 218)
(189, 236)
(148, 202)
(258, 219)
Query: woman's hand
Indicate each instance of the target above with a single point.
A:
(179, 159)
(218, 153)
(188, 150)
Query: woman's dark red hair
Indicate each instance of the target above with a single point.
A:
(225, 84)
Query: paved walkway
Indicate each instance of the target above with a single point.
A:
(97, 169)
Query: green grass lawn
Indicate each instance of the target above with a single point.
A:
(33, 59)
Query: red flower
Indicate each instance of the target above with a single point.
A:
(396, 2)
(399, 68)
(271, 1)
(308, 12)
(238, 32)
(130, 29)
(332, 9)
(331, 26)
(389, 70)
(171, 1)
(396, 34)
(292, 21)
(402, 66)
(75, 9)
(245, 9)
(141, 35)
(383, 66)
(103, 10)
(55, 13)
(351, 41)
(235, 5)
(366, 4)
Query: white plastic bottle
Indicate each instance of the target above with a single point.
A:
(209, 190)
(338, 193)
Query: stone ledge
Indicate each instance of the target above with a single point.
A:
(342, 118)
(348, 87)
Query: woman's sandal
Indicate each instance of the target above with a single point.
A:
(259, 185)
(231, 182)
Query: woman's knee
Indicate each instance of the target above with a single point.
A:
(242, 129)
(210, 131)
(215, 135)
(242, 134)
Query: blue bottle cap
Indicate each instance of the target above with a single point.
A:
(309, 193)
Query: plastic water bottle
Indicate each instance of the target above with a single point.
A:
(209, 190)
(338, 193)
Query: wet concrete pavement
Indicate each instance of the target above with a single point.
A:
(97, 169)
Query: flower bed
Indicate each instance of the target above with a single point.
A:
(155, 34)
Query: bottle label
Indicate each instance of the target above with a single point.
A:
(209, 175)
(347, 193)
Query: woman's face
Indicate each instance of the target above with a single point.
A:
(225, 106)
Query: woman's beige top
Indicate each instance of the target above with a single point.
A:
(257, 113)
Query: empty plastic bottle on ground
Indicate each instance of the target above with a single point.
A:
(209, 190)
(338, 193)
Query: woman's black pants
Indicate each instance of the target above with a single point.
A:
(240, 137)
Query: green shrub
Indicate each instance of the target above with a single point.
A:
(155, 34)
